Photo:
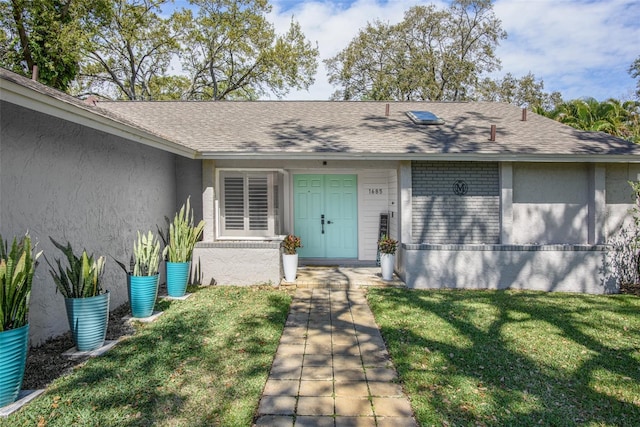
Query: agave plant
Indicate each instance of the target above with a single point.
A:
(146, 256)
(17, 268)
(82, 278)
(183, 235)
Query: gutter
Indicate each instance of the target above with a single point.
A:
(494, 157)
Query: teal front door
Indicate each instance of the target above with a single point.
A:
(326, 215)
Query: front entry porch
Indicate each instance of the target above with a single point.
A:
(341, 277)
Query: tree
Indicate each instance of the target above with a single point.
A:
(634, 70)
(230, 51)
(133, 47)
(369, 67)
(432, 55)
(523, 91)
(611, 116)
(47, 34)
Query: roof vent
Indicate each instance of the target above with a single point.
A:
(424, 118)
(492, 135)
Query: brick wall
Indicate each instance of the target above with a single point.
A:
(442, 216)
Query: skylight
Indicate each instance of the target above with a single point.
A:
(424, 118)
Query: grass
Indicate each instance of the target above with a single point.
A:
(514, 358)
(204, 362)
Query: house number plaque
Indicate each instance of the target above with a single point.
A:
(460, 187)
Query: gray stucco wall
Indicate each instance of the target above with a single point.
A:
(550, 203)
(565, 268)
(238, 263)
(441, 216)
(76, 184)
(189, 183)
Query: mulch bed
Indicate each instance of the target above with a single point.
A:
(45, 363)
(630, 289)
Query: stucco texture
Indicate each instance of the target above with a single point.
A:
(543, 268)
(79, 185)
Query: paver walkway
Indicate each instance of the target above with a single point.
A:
(332, 367)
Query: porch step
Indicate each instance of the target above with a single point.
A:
(337, 277)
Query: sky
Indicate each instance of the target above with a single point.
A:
(577, 47)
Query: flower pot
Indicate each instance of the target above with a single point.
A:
(177, 278)
(290, 266)
(14, 345)
(88, 319)
(143, 291)
(387, 264)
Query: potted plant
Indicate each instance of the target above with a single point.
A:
(290, 257)
(87, 304)
(142, 279)
(387, 247)
(182, 238)
(17, 267)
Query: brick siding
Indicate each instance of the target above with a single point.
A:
(442, 217)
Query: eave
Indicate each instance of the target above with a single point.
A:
(27, 98)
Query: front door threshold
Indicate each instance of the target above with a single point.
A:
(342, 262)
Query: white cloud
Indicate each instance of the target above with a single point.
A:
(578, 48)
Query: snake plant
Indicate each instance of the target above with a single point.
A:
(83, 276)
(17, 267)
(183, 235)
(146, 256)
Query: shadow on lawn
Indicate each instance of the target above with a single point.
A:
(176, 371)
(513, 387)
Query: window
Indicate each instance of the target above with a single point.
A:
(249, 204)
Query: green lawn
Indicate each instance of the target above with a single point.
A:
(204, 362)
(514, 358)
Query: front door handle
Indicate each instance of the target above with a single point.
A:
(329, 222)
(322, 222)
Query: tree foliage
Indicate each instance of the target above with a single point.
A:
(124, 49)
(432, 55)
(232, 51)
(634, 70)
(523, 91)
(47, 34)
(612, 116)
(133, 47)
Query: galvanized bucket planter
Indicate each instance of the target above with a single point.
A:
(177, 278)
(88, 319)
(143, 291)
(14, 345)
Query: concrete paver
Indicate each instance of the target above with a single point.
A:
(332, 368)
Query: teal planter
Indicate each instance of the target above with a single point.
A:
(14, 345)
(143, 291)
(88, 319)
(177, 278)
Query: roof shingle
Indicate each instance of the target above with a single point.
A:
(299, 127)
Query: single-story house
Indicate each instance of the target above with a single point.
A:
(479, 195)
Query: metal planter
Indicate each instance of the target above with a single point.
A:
(143, 291)
(14, 345)
(88, 319)
(177, 278)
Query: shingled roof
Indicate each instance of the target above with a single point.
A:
(357, 129)
(349, 130)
